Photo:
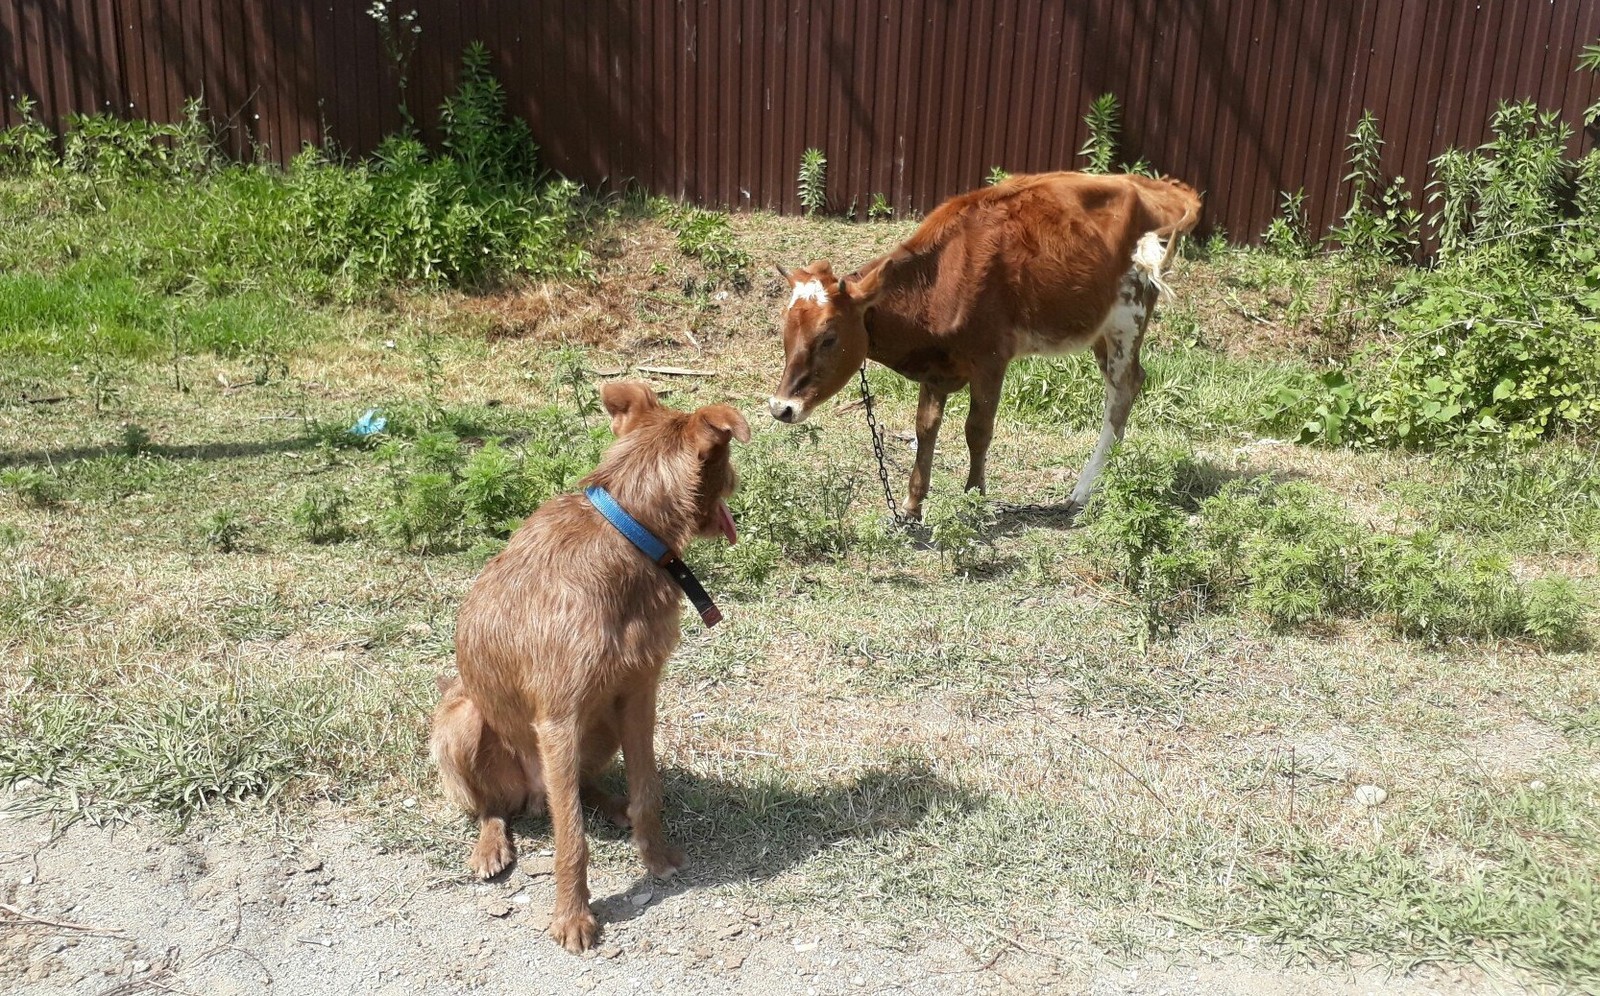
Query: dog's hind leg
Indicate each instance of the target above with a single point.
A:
(494, 850)
(608, 804)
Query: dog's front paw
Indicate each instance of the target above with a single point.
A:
(662, 859)
(576, 932)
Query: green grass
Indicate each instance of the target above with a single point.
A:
(208, 604)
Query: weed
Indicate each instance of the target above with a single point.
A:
(1554, 612)
(399, 33)
(1102, 123)
(1589, 60)
(706, 236)
(880, 209)
(813, 181)
(27, 148)
(1289, 234)
(495, 492)
(321, 514)
(958, 523)
(221, 531)
(803, 512)
(1379, 226)
(34, 488)
(996, 176)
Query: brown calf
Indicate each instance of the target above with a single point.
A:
(1042, 264)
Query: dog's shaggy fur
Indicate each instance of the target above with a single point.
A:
(561, 642)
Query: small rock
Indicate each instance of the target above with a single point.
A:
(495, 907)
(802, 948)
(410, 803)
(701, 953)
(641, 899)
(856, 980)
(140, 967)
(539, 866)
(732, 930)
(311, 865)
(1537, 785)
(611, 951)
(1370, 795)
(733, 961)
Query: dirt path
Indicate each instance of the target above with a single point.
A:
(219, 914)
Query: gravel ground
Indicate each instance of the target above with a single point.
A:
(222, 912)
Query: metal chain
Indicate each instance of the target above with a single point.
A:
(877, 450)
(900, 520)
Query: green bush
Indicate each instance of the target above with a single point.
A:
(1288, 553)
(1554, 612)
(706, 236)
(26, 148)
(1500, 343)
(801, 510)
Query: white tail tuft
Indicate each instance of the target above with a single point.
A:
(1148, 257)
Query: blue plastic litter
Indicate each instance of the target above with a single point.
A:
(369, 423)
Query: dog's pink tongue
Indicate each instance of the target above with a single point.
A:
(725, 521)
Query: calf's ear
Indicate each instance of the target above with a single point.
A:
(625, 401)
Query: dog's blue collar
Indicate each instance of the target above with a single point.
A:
(651, 546)
(648, 542)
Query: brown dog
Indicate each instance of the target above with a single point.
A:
(561, 643)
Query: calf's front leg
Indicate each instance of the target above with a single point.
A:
(985, 393)
(930, 415)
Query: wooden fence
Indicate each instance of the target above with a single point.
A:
(714, 100)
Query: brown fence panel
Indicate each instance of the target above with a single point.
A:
(714, 100)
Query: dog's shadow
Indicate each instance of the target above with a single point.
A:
(744, 831)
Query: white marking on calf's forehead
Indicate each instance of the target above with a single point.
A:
(810, 290)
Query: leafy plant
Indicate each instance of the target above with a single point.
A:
(958, 523)
(1554, 612)
(880, 209)
(399, 32)
(813, 180)
(35, 488)
(1380, 225)
(221, 531)
(1289, 234)
(996, 176)
(1589, 60)
(28, 147)
(321, 514)
(707, 236)
(1102, 122)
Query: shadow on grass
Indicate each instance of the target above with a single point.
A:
(197, 451)
(750, 831)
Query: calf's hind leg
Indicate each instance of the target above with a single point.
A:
(1117, 352)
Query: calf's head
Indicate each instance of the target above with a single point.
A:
(824, 336)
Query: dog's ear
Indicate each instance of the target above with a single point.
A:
(719, 423)
(625, 401)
